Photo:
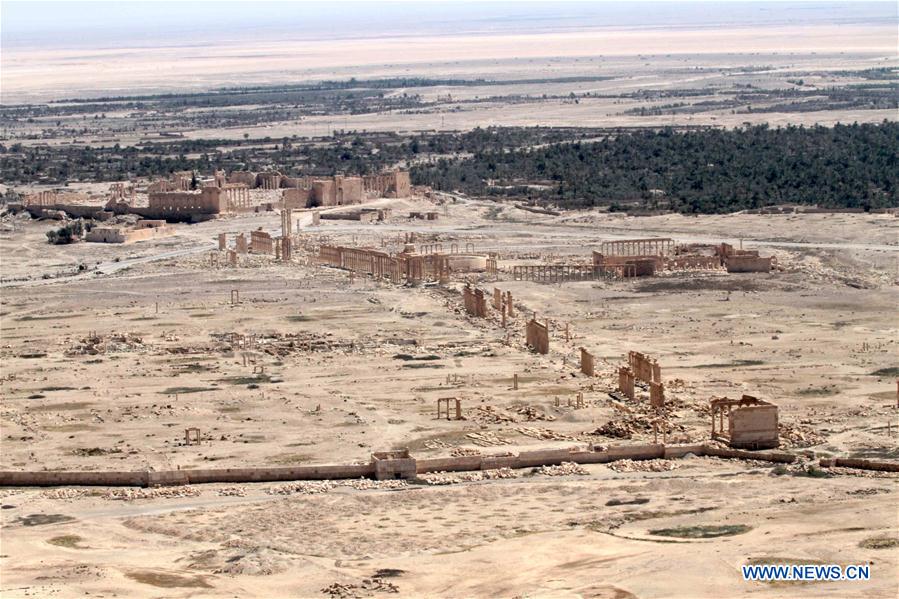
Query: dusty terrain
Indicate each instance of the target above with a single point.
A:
(369, 360)
(39, 73)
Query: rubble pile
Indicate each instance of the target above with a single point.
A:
(436, 444)
(460, 452)
(491, 415)
(232, 492)
(799, 436)
(64, 493)
(155, 493)
(563, 469)
(315, 487)
(618, 429)
(659, 465)
(531, 414)
(284, 344)
(93, 345)
(303, 487)
(487, 439)
(451, 478)
(543, 433)
(365, 484)
(366, 588)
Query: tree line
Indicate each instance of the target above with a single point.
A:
(702, 171)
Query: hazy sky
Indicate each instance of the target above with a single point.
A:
(114, 23)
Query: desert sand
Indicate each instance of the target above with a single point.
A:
(808, 336)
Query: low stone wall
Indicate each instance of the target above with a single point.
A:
(243, 475)
(861, 464)
(64, 479)
(525, 459)
(779, 457)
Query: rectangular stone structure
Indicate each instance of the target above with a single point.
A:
(537, 337)
(751, 422)
(587, 362)
(389, 465)
(626, 381)
(656, 394)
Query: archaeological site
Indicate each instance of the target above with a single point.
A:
(465, 300)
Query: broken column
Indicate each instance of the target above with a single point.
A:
(626, 381)
(656, 394)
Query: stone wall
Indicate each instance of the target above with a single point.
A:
(537, 336)
(389, 464)
(180, 204)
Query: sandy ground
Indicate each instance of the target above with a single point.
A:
(810, 336)
(31, 74)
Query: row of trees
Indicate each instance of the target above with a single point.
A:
(707, 171)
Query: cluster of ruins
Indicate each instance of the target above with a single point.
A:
(142, 230)
(644, 258)
(184, 197)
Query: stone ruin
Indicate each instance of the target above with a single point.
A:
(339, 190)
(740, 260)
(646, 370)
(408, 266)
(390, 465)
(751, 422)
(475, 302)
(587, 363)
(537, 336)
(261, 242)
(144, 229)
(503, 303)
(646, 257)
(443, 408)
(627, 258)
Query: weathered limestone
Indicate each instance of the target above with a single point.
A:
(394, 465)
(405, 267)
(187, 204)
(553, 273)
(395, 184)
(223, 241)
(268, 180)
(143, 230)
(739, 260)
(537, 336)
(443, 407)
(240, 244)
(656, 394)
(587, 363)
(238, 197)
(626, 266)
(261, 242)
(50, 198)
(644, 368)
(474, 301)
(751, 422)
(192, 436)
(626, 382)
(655, 246)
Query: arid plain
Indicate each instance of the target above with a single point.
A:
(809, 336)
(109, 352)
